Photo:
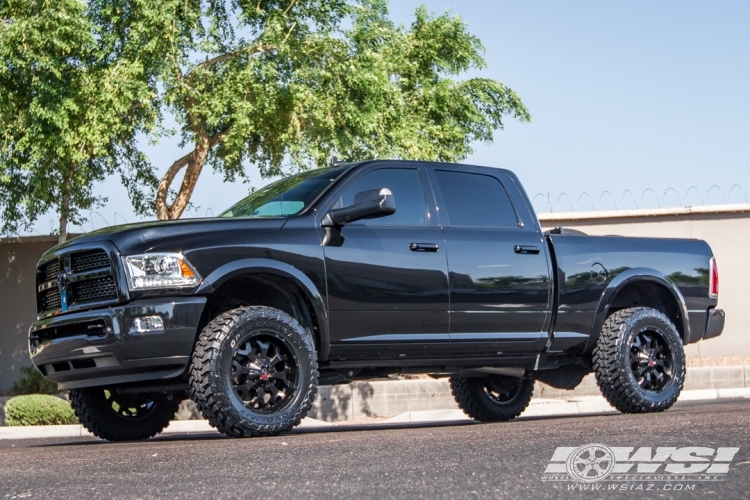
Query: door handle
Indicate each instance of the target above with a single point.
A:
(423, 247)
(525, 249)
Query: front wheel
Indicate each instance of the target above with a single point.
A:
(123, 417)
(494, 398)
(254, 372)
(639, 361)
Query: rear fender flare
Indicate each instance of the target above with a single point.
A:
(638, 274)
(268, 266)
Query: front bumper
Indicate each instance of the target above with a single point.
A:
(101, 347)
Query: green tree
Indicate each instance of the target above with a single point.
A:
(285, 84)
(278, 84)
(70, 112)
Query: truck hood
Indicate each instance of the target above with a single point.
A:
(173, 235)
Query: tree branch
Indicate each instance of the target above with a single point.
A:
(291, 28)
(291, 4)
(216, 139)
(258, 49)
(194, 161)
(162, 210)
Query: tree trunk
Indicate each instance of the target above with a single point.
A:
(64, 212)
(194, 162)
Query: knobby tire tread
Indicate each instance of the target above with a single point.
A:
(471, 398)
(104, 423)
(212, 400)
(613, 373)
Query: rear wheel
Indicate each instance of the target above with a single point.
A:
(639, 361)
(494, 398)
(123, 417)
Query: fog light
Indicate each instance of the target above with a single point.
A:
(148, 324)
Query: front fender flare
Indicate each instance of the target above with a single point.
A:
(621, 281)
(268, 266)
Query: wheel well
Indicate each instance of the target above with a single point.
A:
(653, 295)
(263, 289)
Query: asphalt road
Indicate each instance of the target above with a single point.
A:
(398, 461)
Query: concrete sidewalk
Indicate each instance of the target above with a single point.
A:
(539, 407)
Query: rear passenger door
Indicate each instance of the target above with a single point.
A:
(499, 270)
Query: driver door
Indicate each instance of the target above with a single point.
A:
(387, 277)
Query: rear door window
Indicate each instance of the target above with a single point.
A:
(475, 200)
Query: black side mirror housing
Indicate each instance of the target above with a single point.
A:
(367, 205)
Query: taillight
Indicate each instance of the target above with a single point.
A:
(713, 284)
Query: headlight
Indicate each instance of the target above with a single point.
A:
(159, 270)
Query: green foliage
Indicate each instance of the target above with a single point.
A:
(281, 85)
(38, 409)
(30, 381)
(70, 112)
(285, 84)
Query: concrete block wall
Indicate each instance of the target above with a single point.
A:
(715, 377)
(380, 399)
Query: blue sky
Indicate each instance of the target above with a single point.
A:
(630, 95)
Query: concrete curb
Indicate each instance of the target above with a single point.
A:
(585, 405)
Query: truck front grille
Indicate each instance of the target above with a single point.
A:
(75, 279)
(94, 290)
(88, 261)
(50, 299)
(50, 270)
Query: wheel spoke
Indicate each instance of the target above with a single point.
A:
(274, 393)
(261, 393)
(281, 376)
(263, 347)
(277, 358)
(263, 372)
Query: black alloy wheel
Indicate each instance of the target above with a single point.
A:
(502, 390)
(639, 361)
(113, 416)
(254, 372)
(264, 374)
(131, 406)
(651, 360)
(493, 398)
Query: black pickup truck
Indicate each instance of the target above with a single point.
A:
(358, 271)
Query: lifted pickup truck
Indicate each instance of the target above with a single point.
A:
(359, 271)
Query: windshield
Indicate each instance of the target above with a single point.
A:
(287, 196)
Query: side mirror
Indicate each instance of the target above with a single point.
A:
(367, 205)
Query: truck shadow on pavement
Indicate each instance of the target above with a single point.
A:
(338, 428)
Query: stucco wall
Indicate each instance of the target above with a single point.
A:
(725, 228)
(17, 302)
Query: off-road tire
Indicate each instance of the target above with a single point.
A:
(613, 364)
(473, 397)
(97, 414)
(211, 375)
